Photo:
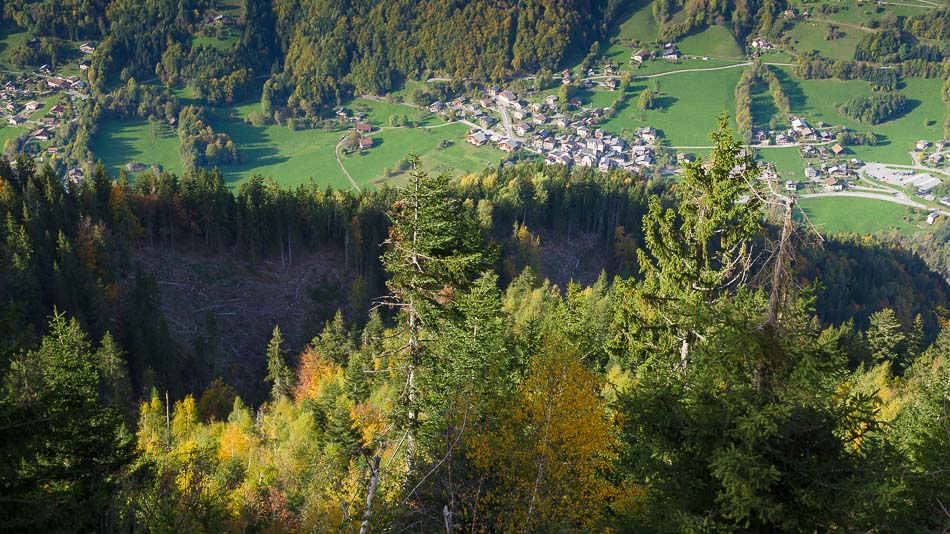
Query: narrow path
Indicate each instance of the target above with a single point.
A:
(342, 168)
(874, 196)
(681, 71)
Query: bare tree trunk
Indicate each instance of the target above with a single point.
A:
(778, 290)
(168, 424)
(370, 493)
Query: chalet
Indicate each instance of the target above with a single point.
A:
(562, 122)
(612, 83)
(522, 129)
(789, 14)
(33, 43)
(647, 133)
(582, 131)
(366, 142)
(761, 43)
(72, 80)
(685, 157)
(811, 173)
(922, 145)
(791, 186)
(59, 110)
(539, 119)
(640, 56)
(576, 102)
(16, 120)
(477, 138)
(10, 107)
(558, 158)
(437, 107)
(670, 52)
(940, 144)
(932, 218)
(223, 19)
(87, 48)
(833, 184)
(363, 127)
(518, 114)
(173, 122)
(507, 98)
(52, 150)
(782, 139)
(459, 101)
(837, 149)
(945, 201)
(799, 125)
(42, 134)
(584, 160)
(935, 158)
(344, 113)
(567, 80)
(599, 133)
(760, 136)
(485, 121)
(33, 105)
(509, 145)
(493, 90)
(56, 82)
(595, 144)
(84, 65)
(75, 175)
(548, 144)
(809, 151)
(605, 164)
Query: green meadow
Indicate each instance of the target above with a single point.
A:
(861, 215)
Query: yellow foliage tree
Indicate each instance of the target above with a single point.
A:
(548, 460)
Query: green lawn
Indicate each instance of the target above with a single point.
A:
(714, 41)
(807, 36)
(861, 215)
(122, 142)
(788, 162)
(215, 42)
(691, 102)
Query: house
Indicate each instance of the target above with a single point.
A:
(761, 43)
(685, 157)
(539, 119)
(10, 107)
(16, 120)
(940, 144)
(72, 80)
(493, 90)
(59, 110)
(837, 149)
(782, 139)
(509, 145)
(548, 144)
(647, 133)
(75, 175)
(789, 14)
(42, 134)
(518, 114)
(605, 164)
(173, 122)
(52, 150)
(672, 55)
(612, 83)
(33, 105)
(811, 173)
(945, 201)
(522, 129)
(366, 142)
(932, 217)
(459, 101)
(640, 56)
(576, 102)
(344, 113)
(223, 19)
(799, 125)
(84, 65)
(87, 48)
(935, 158)
(791, 186)
(485, 121)
(56, 82)
(922, 145)
(562, 122)
(833, 184)
(364, 127)
(925, 183)
(477, 138)
(567, 80)
(437, 107)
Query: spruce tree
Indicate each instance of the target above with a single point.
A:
(279, 374)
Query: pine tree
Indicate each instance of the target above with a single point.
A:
(885, 336)
(278, 372)
(434, 249)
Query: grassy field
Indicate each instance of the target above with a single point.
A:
(714, 41)
(690, 101)
(122, 142)
(641, 25)
(10, 38)
(817, 100)
(788, 162)
(807, 36)
(861, 215)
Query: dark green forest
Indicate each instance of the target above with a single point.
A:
(727, 371)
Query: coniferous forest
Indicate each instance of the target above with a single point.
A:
(609, 328)
(729, 370)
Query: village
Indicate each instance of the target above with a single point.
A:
(37, 103)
